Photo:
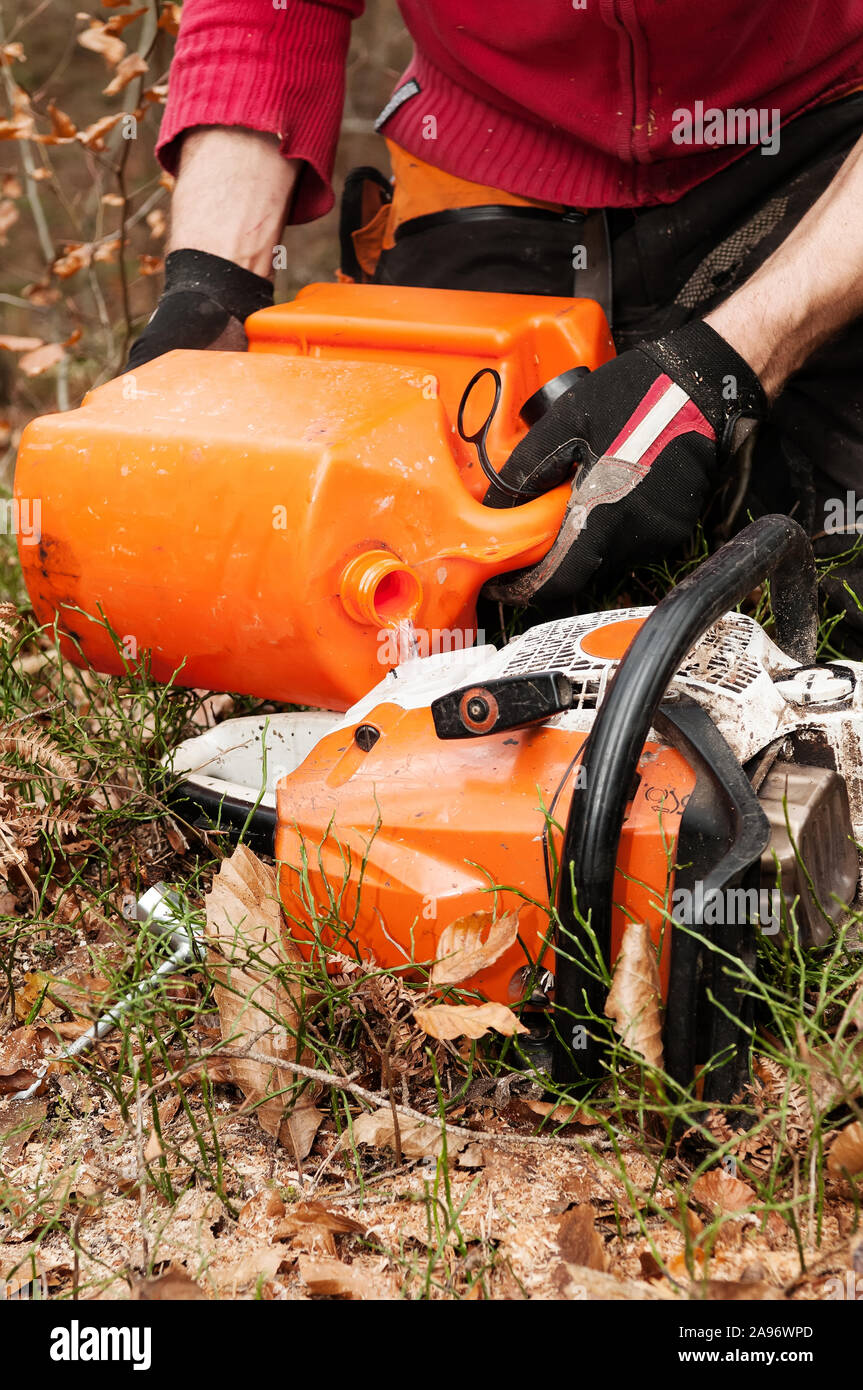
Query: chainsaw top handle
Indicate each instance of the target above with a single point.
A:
(773, 547)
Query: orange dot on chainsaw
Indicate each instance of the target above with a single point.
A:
(611, 640)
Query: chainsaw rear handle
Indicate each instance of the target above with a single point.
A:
(773, 547)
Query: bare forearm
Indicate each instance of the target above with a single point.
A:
(807, 290)
(232, 195)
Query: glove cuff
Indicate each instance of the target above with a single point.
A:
(720, 382)
(238, 291)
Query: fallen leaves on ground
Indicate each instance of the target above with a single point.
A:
(578, 1239)
(633, 1001)
(79, 993)
(846, 1151)
(22, 1058)
(315, 1225)
(175, 1285)
(153, 1148)
(254, 1267)
(19, 1121)
(334, 1279)
(561, 1114)
(261, 1212)
(416, 1139)
(722, 1192)
(447, 1021)
(471, 944)
(244, 924)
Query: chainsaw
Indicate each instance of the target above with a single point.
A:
(674, 766)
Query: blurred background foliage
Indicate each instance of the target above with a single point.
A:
(84, 205)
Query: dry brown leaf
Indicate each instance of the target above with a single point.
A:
(846, 1151)
(257, 1265)
(153, 1148)
(853, 1015)
(10, 186)
(244, 921)
(98, 40)
(77, 257)
(173, 1286)
(416, 1139)
(36, 362)
(723, 1193)
(260, 1212)
(32, 986)
(118, 22)
(634, 998)
(446, 1021)
(22, 1054)
(91, 138)
(12, 53)
(151, 265)
(41, 294)
(835, 1073)
(578, 1239)
(19, 1120)
(13, 344)
(169, 19)
(61, 124)
(334, 1279)
(80, 993)
(19, 128)
(471, 944)
(316, 1226)
(107, 250)
(738, 1291)
(8, 217)
(112, 200)
(130, 67)
(157, 222)
(561, 1114)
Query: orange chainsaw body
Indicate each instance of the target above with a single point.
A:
(380, 851)
(258, 521)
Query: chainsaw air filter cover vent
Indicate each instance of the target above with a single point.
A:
(722, 658)
(566, 646)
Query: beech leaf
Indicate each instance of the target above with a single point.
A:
(471, 944)
(245, 931)
(446, 1021)
(634, 998)
(846, 1151)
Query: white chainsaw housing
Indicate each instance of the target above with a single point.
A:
(753, 692)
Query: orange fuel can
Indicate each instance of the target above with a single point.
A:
(263, 522)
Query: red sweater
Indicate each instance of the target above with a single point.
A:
(537, 97)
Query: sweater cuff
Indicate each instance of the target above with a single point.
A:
(245, 63)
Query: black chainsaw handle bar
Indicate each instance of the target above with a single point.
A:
(773, 547)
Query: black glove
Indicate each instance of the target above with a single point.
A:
(649, 433)
(204, 304)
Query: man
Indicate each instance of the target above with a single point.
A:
(698, 169)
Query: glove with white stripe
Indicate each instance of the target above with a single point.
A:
(646, 435)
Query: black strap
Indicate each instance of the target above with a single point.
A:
(365, 192)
